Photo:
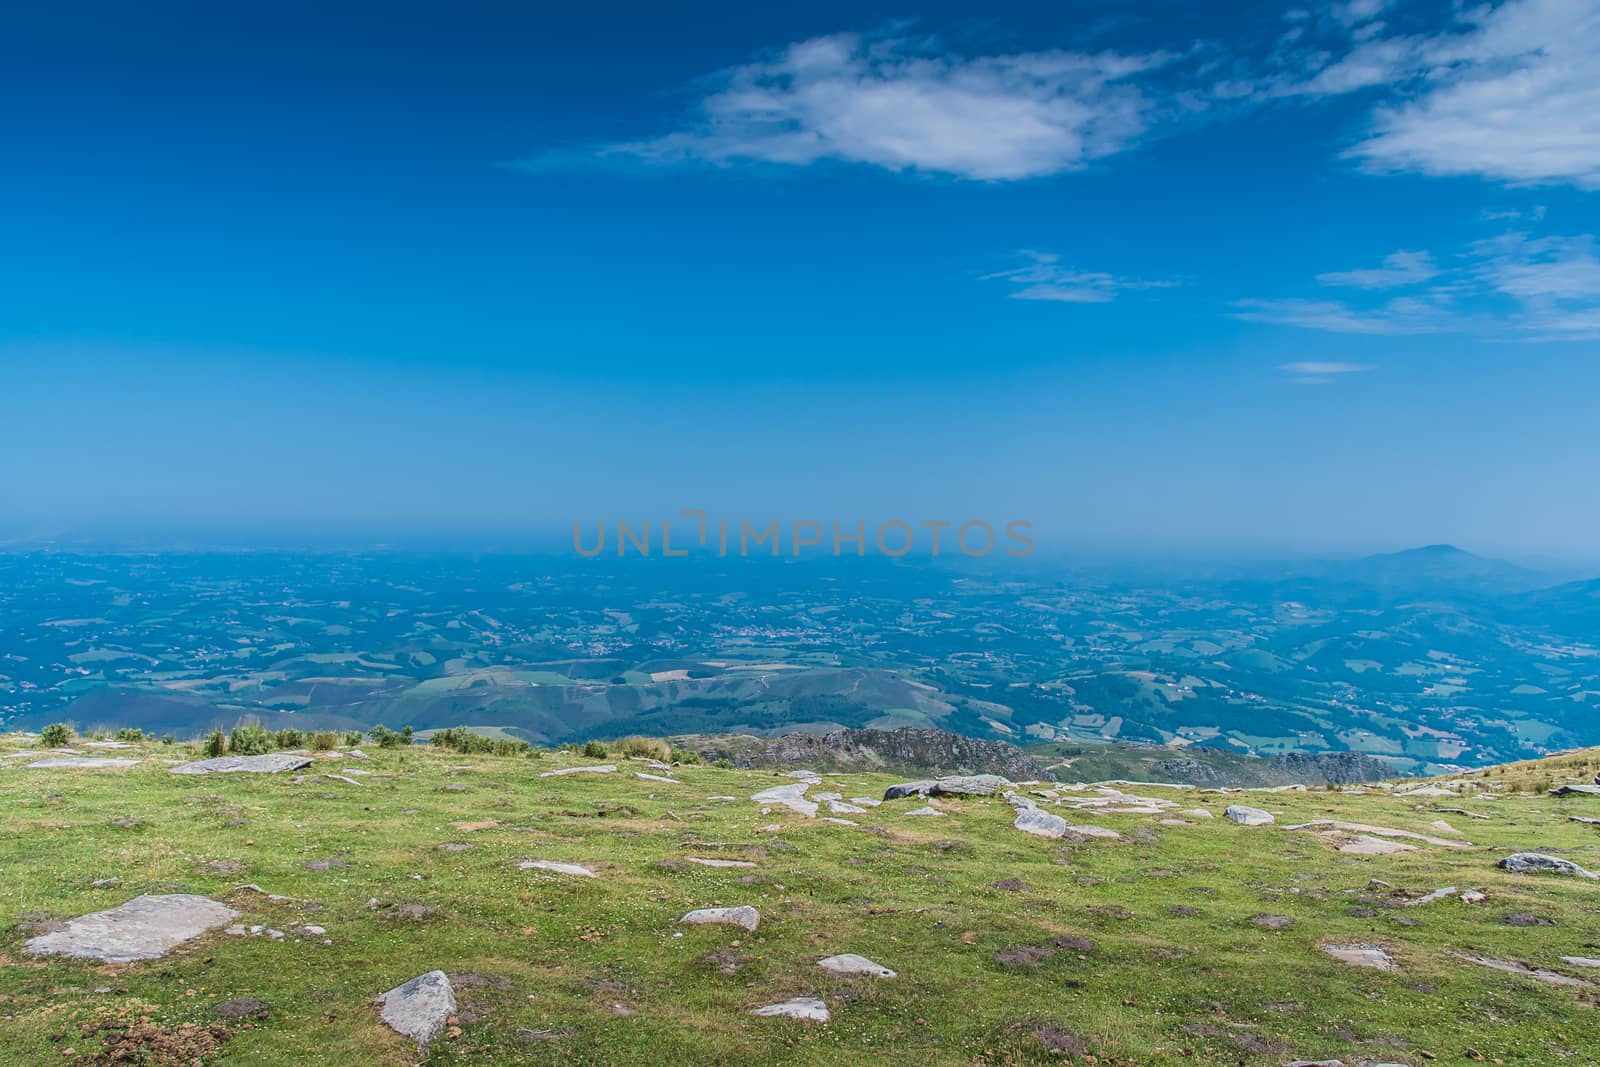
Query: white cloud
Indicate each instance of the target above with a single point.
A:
(1394, 318)
(1399, 269)
(1518, 287)
(1317, 373)
(899, 104)
(1516, 99)
(1044, 278)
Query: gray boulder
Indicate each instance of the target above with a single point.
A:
(79, 763)
(1245, 815)
(1576, 790)
(909, 789)
(1539, 863)
(1039, 823)
(145, 928)
(956, 785)
(269, 764)
(420, 1008)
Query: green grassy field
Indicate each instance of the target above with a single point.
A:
(554, 969)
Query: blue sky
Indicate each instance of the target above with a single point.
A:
(1256, 277)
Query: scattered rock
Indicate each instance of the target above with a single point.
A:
(604, 768)
(331, 864)
(808, 1008)
(1576, 790)
(1526, 918)
(743, 915)
(145, 928)
(792, 797)
(79, 763)
(1372, 956)
(1011, 885)
(455, 846)
(1245, 815)
(1580, 961)
(1272, 922)
(718, 863)
(925, 811)
(1514, 967)
(850, 963)
(420, 1008)
(1539, 863)
(1039, 823)
(1367, 845)
(577, 870)
(269, 764)
(241, 1008)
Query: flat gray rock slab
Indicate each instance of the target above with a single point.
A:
(604, 768)
(718, 863)
(744, 916)
(420, 1008)
(925, 811)
(1039, 823)
(850, 963)
(791, 797)
(1245, 815)
(1370, 956)
(576, 870)
(79, 763)
(273, 763)
(1535, 973)
(808, 1008)
(145, 928)
(1539, 863)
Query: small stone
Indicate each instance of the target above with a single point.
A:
(1245, 815)
(577, 870)
(420, 1008)
(1539, 863)
(604, 768)
(719, 863)
(1272, 922)
(742, 916)
(241, 1008)
(1370, 956)
(807, 1008)
(850, 963)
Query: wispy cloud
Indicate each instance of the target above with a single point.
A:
(1044, 278)
(1514, 286)
(1399, 269)
(901, 104)
(1393, 318)
(1315, 373)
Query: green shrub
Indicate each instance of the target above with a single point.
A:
(56, 735)
(249, 739)
(352, 738)
(683, 755)
(130, 733)
(645, 747)
(289, 737)
(215, 744)
(460, 739)
(593, 750)
(322, 741)
(384, 737)
(724, 764)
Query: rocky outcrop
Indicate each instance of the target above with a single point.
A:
(1294, 768)
(933, 752)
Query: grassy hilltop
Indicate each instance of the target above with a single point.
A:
(1166, 946)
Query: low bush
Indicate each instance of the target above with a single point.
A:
(461, 739)
(683, 755)
(214, 745)
(384, 737)
(56, 735)
(130, 733)
(594, 750)
(289, 737)
(645, 747)
(249, 739)
(322, 741)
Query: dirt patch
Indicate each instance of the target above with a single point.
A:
(1023, 955)
(725, 961)
(1053, 1038)
(148, 1045)
(1011, 885)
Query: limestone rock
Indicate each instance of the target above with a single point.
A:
(1539, 863)
(145, 928)
(419, 1008)
(743, 915)
(1245, 815)
(808, 1008)
(850, 963)
(268, 764)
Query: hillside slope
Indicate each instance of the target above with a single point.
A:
(1144, 935)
